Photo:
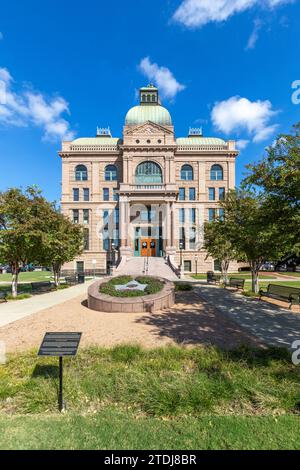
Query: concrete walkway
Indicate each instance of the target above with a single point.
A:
(271, 324)
(15, 310)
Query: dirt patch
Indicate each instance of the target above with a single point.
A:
(191, 322)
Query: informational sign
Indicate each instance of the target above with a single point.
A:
(60, 344)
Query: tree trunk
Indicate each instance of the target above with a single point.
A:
(225, 267)
(15, 278)
(255, 280)
(56, 274)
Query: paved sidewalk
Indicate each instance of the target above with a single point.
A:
(271, 324)
(15, 310)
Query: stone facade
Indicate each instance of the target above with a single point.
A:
(147, 194)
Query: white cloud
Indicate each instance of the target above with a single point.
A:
(242, 144)
(26, 108)
(240, 114)
(197, 13)
(254, 35)
(163, 78)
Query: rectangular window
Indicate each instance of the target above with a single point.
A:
(181, 194)
(86, 235)
(221, 194)
(105, 217)
(181, 216)
(192, 238)
(211, 215)
(187, 266)
(105, 194)
(182, 238)
(106, 241)
(76, 216)
(79, 266)
(192, 216)
(86, 216)
(75, 194)
(192, 194)
(115, 194)
(116, 216)
(86, 194)
(221, 214)
(212, 194)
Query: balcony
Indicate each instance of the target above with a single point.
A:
(148, 189)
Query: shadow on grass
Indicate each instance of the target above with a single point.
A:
(46, 371)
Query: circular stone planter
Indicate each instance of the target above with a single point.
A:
(144, 303)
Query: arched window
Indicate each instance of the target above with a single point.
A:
(153, 98)
(143, 98)
(81, 173)
(216, 173)
(148, 98)
(187, 173)
(111, 173)
(148, 172)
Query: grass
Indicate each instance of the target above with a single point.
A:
(28, 277)
(153, 286)
(172, 397)
(24, 291)
(245, 275)
(173, 381)
(117, 430)
(263, 285)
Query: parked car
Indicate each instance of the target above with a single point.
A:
(268, 266)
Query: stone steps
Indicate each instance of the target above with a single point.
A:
(156, 267)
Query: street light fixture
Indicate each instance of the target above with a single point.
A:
(196, 261)
(181, 248)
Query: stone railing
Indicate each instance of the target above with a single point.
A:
(201, 148)
(94, 148)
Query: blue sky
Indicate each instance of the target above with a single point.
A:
(227, 65)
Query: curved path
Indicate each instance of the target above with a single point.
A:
(269, 323)
(15, 310)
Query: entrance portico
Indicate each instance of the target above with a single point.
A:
(147, 229)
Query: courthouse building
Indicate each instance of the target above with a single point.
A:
(148, 192)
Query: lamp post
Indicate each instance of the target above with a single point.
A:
(94, 262)
(196, 262)
(181, 248)
(113, 253)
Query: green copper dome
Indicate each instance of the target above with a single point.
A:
(154, 113)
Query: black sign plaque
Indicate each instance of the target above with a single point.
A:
(60, 344)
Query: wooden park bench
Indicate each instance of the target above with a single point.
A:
(3, 296)
(236, 283)
(40, 287)
(71, 280)
(282, 293)
(213, 278)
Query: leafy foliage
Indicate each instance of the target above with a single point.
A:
(278, 175)
(153, 286)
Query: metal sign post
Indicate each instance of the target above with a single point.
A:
(60, 345)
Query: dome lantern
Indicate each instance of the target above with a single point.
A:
(149, 109)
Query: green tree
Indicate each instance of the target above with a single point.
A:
(251, 232)
(19, 234)
(62, 240)
(218, 245)
(278, 176)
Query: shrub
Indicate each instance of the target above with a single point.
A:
(180, 286)
(153, 286)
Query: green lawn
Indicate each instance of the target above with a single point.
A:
(117, 430)
(172, 397)
(245, 275)
(290, 274)
(28, 277)
(263, 284)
